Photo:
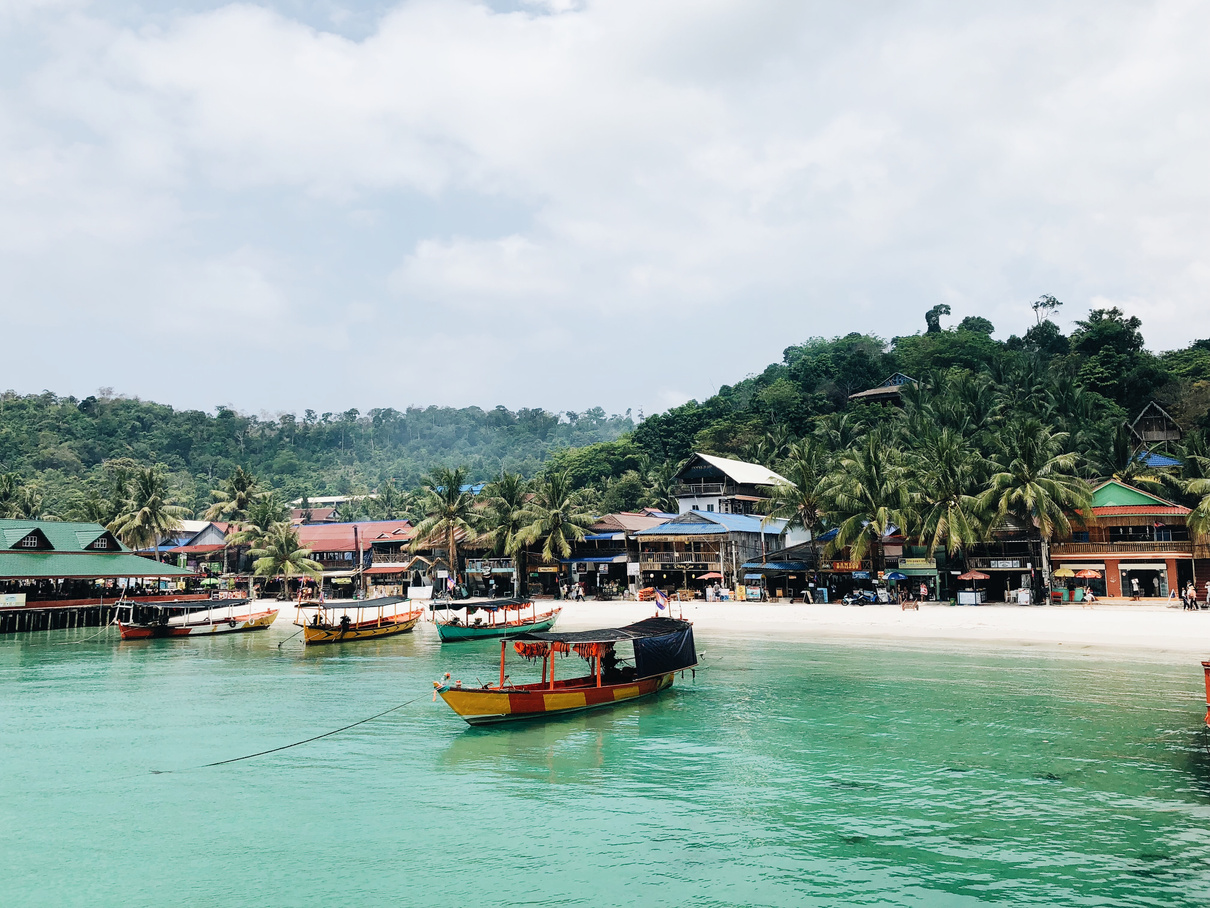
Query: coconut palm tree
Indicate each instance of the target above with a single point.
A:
(10, 486)
(800, 502)
(555, 517)
(506, 498)
(232, 500)
(449, 509)
(867, 496)
(281, 553)
(1115, 457)
(265, 512)
(28, 504)
(661, 488)
(390, 504)
(1034, 480)
(149, 513)
(948, 477)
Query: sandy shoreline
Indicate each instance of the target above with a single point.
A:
(1146, 629)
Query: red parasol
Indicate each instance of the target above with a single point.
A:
(1089, 574)
(713, 575)
(974, 575)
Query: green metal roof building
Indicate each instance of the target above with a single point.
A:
(53, 550)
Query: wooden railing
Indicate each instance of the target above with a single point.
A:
(703, 564)
(698, 489)
(1120, 548)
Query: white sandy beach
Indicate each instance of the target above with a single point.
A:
(1141, 628)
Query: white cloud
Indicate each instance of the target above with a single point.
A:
(718, 176)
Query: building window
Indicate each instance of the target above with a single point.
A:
(29, 542)
(709, 507)
(101, 543)
(1079, 536)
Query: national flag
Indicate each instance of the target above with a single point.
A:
(661, 601)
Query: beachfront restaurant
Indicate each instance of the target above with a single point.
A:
(1134, 536)
(62, 565)
(698, 548)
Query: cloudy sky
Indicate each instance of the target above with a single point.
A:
(315, 203)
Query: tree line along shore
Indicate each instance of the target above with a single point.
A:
(978, 431)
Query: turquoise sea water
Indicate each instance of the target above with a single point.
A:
(789, 774)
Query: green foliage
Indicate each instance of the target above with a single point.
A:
(281, 553)
(555, 517)
(976, 323)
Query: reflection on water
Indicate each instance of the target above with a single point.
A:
(788, 774)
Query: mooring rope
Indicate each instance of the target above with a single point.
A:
(104, 630)
(273, 750)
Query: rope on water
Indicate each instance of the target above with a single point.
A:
(104, 630)
(273, 750)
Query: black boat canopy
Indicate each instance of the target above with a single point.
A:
(488, 605)
(353, 603)
(648, 627)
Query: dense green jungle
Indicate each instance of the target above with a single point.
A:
(61, 457)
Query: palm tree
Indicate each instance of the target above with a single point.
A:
(281, 552)
(149, 513)
(504, 518)
(389, 505)
(1034, 480)
(867, 496)
(27, 504)
(265, 512)
(948, 478)
(800, 501)
(661, 488)
(1115, 457)
(231, 502)
(555, 516)
(10, 485)
(449, 509)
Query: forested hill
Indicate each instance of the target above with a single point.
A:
(1087, 385)
(61, 443)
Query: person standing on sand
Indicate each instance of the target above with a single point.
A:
(1134, 588)
(924, 592)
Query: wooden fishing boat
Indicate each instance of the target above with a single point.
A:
(150, 620)
(1206, 670)
(503, 618)
(661, 648)
(337, 621)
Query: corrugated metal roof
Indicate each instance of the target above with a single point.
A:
(699, 522)
(740, 471)
(83, 565)
(64, 536)
(1140, 511)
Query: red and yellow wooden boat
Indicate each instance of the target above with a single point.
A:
(661, 648)
(1206, 670)
(337, 621)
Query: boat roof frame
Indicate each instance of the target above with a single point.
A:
(656, 626)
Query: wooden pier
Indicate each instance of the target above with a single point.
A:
(54, 615)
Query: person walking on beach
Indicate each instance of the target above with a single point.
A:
(1134, 588)
(924, 592)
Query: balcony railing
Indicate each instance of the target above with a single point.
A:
(392, 557)
(698, 489)
(704, 564)
(1120, 548)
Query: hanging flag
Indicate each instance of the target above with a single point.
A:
(661, 601)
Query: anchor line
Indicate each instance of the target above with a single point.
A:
(273, 750)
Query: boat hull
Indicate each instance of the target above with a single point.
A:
(492, 706)
(255, 621)
(1206, 670)
(456, 633)
(366, 630)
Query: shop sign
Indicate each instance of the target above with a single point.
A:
(548, 570)
(632, 569)
(846, 566)
(12, 600)
(917, 563)
(1004, 564)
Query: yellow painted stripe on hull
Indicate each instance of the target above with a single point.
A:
(466, 703)
(556, 702)
(625, 693)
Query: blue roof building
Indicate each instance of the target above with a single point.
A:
(700, 547)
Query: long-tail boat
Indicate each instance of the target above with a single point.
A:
(337, 621)
(661, 648)
(147, 620)
(503, 618)
(1206, 670)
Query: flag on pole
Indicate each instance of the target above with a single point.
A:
(661, 601)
